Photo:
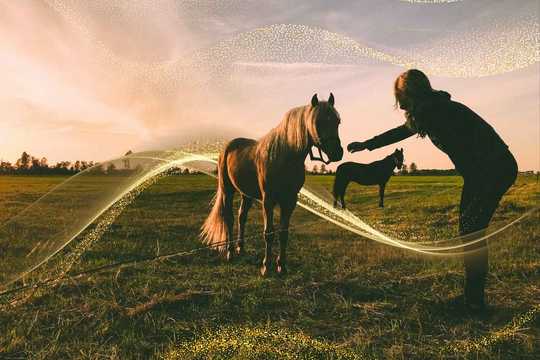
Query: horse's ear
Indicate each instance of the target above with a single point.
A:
(331, 99)
(314, 100)
(401, 149)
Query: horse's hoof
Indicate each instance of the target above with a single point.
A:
(230, 256)
(282, 270)
(264, 271)
(239, 251)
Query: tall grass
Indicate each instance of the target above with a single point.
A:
(344, 296)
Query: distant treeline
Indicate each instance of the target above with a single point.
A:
(31, 165)
(430, 172)
(411, 169)
(425, 172)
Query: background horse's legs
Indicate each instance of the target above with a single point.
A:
(287, 207)
(229, 222)
(268, 216)
(381, 194)
(245, 205)
(341, 181)
(339, 198)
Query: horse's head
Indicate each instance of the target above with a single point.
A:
(326, 122)
(397, 155)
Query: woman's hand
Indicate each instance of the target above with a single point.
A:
(356, 146)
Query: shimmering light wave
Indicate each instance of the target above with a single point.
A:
(494, 47)
(497, 48)
(54, 270)
(490, 50)
(32, 237)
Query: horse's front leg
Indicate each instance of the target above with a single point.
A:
(287, 208)
(268, 217)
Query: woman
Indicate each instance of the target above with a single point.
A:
(481, 157)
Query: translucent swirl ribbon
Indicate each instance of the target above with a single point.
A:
(36, 234)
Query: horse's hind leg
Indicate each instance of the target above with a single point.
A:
(340, 185)
(268, 217)
(287, 207)
(228, 216)
(342, 194)
(339, 200)
(245, 205)
(381, 194)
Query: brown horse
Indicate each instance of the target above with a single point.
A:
(270, 170)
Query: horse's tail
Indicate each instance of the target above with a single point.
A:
(340, 183)
(214, 229)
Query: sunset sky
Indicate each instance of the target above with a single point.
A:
(91, 80)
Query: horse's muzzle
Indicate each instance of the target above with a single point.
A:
(333, 149)
(338, 155)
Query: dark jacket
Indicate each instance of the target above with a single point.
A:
(470, 142)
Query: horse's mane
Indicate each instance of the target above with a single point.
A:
(292, 134)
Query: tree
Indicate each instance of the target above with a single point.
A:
(23, 163)
(77, 166)
(63, 165)
(315, 169)
(43, 163)
(6, 167)
(404, 170)
(413, 168)
(186, 171)
(35, 164)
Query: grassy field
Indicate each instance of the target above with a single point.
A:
(344, 297)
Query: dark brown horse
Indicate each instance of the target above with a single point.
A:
(375, 173)
(270, 170)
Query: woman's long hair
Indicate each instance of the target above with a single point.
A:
(411, 89)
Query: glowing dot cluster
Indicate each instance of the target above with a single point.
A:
(431, 1)
(494, 48)
(502, 47)
(517, 324)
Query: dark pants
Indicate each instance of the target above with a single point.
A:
(479, 200)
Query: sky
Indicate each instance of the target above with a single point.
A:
(91, 80)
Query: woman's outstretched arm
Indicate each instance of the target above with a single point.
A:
(389, 137)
